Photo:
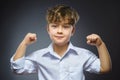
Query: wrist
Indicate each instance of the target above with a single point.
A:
(100, 44)
(23, 43)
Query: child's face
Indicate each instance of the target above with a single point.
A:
(60, 33)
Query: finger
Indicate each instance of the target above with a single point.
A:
(92, 38)
(33, 37)
(88, 41)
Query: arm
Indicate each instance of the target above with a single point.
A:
(29, 39)
(104, 56)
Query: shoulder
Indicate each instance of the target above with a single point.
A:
(38, 53)
(83, 51)
(41, 51)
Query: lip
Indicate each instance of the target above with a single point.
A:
(59, 37)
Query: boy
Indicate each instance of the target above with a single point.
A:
(61, 60)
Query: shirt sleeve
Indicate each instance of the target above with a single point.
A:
(23, 66)
(92, 64)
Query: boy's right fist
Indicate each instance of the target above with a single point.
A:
(30, 38)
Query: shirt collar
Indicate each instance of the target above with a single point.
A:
(70, 50)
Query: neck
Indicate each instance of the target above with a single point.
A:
(60, 50)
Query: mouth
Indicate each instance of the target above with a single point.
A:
(59, 37)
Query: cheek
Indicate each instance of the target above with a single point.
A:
(69, 33)
(51, 32)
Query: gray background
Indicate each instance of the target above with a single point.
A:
(18, 17)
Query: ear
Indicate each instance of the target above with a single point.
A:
(73, 30)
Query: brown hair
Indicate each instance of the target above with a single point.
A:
(62, 12)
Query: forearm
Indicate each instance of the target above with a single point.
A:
(105, 59)
(20, 52)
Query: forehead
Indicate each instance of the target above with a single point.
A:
(62, 21)
(59, 23)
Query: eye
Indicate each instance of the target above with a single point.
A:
(53, 26)
(66, 26)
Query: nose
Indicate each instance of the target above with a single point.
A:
(60, 29)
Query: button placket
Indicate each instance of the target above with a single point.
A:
(64, 70)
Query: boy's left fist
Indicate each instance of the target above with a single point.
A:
(94, 39)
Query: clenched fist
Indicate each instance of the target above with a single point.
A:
(94, 39)
(30, 38)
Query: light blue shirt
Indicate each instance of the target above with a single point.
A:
(51, 66)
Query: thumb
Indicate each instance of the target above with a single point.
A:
(32, 38)
(88, 41)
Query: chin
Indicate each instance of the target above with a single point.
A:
(60, 43)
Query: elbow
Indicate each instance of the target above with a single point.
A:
(105, 70)
(17, 72)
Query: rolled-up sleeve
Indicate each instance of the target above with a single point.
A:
(17, 64)
(23, 66)
(92, 64)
